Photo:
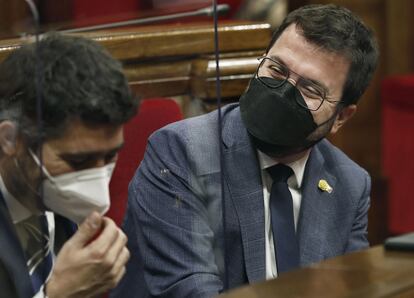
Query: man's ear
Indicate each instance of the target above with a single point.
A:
(343, 116)
(8, 137)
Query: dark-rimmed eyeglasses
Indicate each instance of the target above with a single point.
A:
(313, 93)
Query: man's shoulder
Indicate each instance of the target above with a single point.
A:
(192, 143)
(199, 129)
(335, 158)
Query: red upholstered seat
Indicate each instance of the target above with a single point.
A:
(397, 94)
(153, 114)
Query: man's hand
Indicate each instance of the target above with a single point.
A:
(87, 269)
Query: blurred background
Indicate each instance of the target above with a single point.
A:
(175, 60)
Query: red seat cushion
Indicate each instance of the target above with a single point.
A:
(397, 95)
(153, 114)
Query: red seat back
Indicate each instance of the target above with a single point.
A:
(397, 94)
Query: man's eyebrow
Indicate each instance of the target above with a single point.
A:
(314, 82)
(86, 154)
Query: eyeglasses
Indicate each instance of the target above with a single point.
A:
(313, 93)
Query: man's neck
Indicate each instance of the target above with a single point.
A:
(293, 157)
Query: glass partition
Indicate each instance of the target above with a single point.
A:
(189, 178)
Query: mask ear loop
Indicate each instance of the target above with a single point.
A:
(43, 169)
(220, 142)
(38, 72)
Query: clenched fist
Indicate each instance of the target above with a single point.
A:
(86, 267)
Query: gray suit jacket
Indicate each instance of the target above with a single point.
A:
(174, 218)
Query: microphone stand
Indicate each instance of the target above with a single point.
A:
(208, 11)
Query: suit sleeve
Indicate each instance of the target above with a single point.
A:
(358, 238)
(168, 225)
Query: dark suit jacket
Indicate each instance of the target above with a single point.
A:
(14, 276)
(174, 215)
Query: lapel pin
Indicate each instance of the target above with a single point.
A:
(324, 186)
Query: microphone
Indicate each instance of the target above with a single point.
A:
(207, 11)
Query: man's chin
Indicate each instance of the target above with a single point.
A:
(285, 153)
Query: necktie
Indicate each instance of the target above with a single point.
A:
(34, 237)
(283, 225)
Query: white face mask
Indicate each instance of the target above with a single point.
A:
(75, 195)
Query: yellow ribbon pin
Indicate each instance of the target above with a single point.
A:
(324, 186)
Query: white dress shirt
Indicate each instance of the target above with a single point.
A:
(19, 213)
(294, 183)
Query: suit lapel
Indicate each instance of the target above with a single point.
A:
(242, 173)
(11, 254)
(317, 214)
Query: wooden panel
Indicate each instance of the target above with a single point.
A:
(163, 41)
(231, 87)
(235, 73)
(369, 273)
(161, 87)
(400, 37)
(183, 40)
(378, 214)
(8, 45)
(152, 79)
(177, 60)
(14, 17)
(184, 67)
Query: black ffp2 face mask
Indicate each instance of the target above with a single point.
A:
(274, 118)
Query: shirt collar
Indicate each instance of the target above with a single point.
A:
(17, 211)
(298, 166)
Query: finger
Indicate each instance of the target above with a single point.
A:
(87, 230)
(116, 248)
(109, 234)
(109, 283)
(113, 277)
(118, 278)
(120, 262)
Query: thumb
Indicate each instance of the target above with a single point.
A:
(88, 229)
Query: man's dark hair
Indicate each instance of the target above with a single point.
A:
(337, 29)
(78, 79)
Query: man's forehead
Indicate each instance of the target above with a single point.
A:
(80, 138)
(292, 38)
(76, 128)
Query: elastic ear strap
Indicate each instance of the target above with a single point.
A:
(37, 161)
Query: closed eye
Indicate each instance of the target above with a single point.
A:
(277, 70)
(310, 90)
(80, 162)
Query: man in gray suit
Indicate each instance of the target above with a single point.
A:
(206, 214)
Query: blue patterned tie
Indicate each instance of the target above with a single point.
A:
(34, 235)
(283, 225)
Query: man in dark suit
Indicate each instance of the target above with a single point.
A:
(63, 102)
(209, 211)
